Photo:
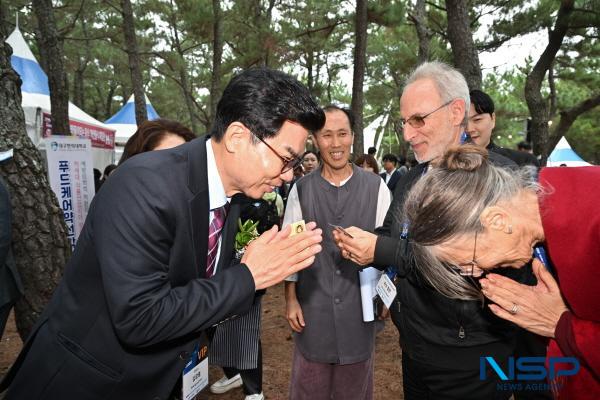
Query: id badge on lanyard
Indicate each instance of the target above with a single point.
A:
(195, 373)
(539, 252)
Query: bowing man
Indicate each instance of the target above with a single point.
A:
(151, 270)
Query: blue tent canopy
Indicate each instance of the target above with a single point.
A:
(564, 154)
(126, 115)
(33, 77)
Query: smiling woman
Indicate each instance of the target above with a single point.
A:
(467, 213)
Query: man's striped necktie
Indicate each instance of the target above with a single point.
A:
(214, 233)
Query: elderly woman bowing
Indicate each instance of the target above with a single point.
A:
(468, 217)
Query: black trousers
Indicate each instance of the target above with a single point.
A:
(251, 378)
(426, 382)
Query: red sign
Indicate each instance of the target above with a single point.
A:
(101, 137)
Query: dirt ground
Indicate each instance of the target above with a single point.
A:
(277, 357)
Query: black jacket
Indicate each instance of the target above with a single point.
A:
(393, 179)
(11, 287)
(434, 329)
(521, 158)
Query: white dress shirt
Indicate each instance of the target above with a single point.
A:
(216, 192)
(388, 176)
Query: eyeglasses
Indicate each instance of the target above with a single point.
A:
(417, 121)
(288, 163)
(470, 268)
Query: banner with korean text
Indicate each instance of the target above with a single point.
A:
(71, 176)
(101, 138)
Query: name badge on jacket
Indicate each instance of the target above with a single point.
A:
(195, 373)
(386, 290)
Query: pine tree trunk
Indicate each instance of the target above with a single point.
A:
(537, 104)
(39, 235)
(423, 33)
(187, 96)
(82, 64)
(215, 81)
(309, 70)
(108, 102)
(360, 55)
(53, 60)
(184, 80)
(460, 36)
(134, 61)
(78, 93)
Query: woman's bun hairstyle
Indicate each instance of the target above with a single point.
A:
(467, 157)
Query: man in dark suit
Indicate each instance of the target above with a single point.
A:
(10, 282)
(482, 120)
(151, 273)
(391, 176)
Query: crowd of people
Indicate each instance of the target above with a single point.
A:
(155, 285)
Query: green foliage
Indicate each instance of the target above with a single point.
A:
(511, 110)
(313, 40)
(246, 233)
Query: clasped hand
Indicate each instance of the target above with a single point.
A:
(275, 254)
(535, 308)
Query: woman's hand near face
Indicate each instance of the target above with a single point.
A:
(535, 308)
(360, 248)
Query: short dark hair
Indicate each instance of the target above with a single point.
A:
(263, 99)
(108, 170)
(390, 157)
(309, 152)
(372, 150)
(482, 102)
(523, 145)
(347, 111)
(150, 133)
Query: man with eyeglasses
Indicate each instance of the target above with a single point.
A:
(442, 339)
(333, 345)
(151, 274)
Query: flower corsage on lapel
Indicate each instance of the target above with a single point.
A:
(246, 233)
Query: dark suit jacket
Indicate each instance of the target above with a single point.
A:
(521, 158)
(133, 301)
(429, 323)
(10, 282)
(393, 180)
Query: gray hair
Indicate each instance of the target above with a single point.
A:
(450, 83)
(448, 201)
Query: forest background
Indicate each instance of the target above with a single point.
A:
(181, 54)
(185, 51)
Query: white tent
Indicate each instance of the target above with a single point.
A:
(564, 154)
(123, 122)
(36, 106)
(370, 132)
